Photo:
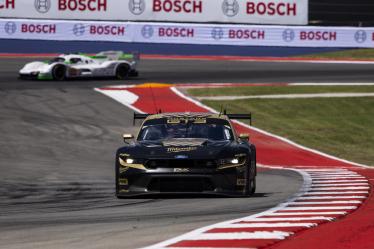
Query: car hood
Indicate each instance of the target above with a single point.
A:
(34, 66)
(180, 148)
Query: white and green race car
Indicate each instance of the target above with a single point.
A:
(66, 66)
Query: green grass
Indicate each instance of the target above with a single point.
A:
(267, 90)
(343, 127)
(365, 53)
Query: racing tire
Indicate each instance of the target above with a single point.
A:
(117, 180)
(59, 72)
(251, 180)
(122, 71)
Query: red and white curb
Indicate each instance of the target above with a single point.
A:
(326, 195)
(332, 187)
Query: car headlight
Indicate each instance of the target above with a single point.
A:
(125, 160)
(236, 161)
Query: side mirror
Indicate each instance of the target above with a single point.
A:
(127, 136)
(244, 136)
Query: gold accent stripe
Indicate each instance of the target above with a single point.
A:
(231, 166)
(135, 166)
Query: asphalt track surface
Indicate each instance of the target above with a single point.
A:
(57, 144)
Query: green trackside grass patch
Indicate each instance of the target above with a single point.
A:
(343, 127)
(268, 90)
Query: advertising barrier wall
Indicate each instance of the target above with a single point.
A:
(286, 12)
(175, 33)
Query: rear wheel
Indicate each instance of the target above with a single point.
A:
(59, 72)
(122, 71)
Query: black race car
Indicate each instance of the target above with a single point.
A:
(186, 153)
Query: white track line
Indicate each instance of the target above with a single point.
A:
(340, 184)
(336, 192)
(338, 177)
(287, 218)
(340, 181)
(243, 235)
(334, 175)
(341, 188)
(332, 84)
(288, 96)
(332, 197)
(326, 170)
(320, 208)
(263, 225)
(329, 174)
(306, 213)
(325, 202)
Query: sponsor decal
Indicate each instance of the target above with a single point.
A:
(217, 33)
(10, 28)
(38, 28)
(240, 182)
(114, 30)
(230, 8)
(318, 35)
(176, 32)
(181, 170)
(271, 9)
(178, 6)
(7, 4)
(123, 181)
(180, 149)
(360, 36)
(82, 5)
(79, 29)
(137, 7)
(42, 6)
(247, 34)
(288, 35)
(147, 31)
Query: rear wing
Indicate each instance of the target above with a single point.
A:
(119, 55)
(248, 116)
(240, 116)
(138, 116)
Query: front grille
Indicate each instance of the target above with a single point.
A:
(179, 163)
(180, 184)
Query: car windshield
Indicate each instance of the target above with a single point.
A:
(185, 130)
(56, 59)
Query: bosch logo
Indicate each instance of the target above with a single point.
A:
(79, 29)
(42, 6)
(7, 4)
(288, 35)
(230, 8)
(217, 33)
(137, 7)
(147, 31)
(10, 28)
(360, 36)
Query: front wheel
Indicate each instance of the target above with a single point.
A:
(122, 71)
(251, 186)
(59, 72)
(251, 180)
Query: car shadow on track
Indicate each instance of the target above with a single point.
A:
(191, 196)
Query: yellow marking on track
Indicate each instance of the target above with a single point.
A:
(154, 85)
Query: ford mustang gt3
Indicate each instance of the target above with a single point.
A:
(186, 153)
